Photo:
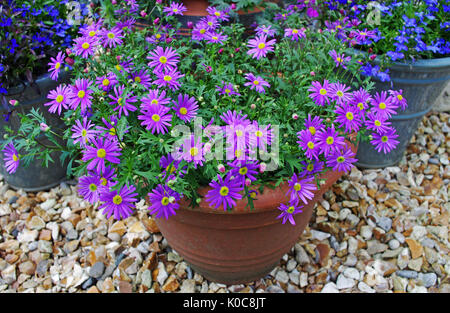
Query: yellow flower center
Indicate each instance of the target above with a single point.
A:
(15, 157)
(310, 167)
(255, 82)
(297, 187)
(117, 199)
(57, 65)
(105, 82)
(165, 201)
(92, 187)
(384, 139)
(238, 153)
(112, 131)
(217, 13)
(224, 191)
(59, 98)
(156, 117)
(339, 59)
(295, 31)
(261, 45)
(399, 97)
(118, 67)
(340, 159)
(253, 195)
(103, 181)
(183, 111)
(85, 45)
(360, 106)
(81, 94)
(243, 170)
(349, 116)
(172, 169)
(167, 78)
(120, 101)
(158, 36)
(363, 33)
(193, 151)
(215, 37)
(137, 79)
(227, 90)
(92, 33)
(202, 31)
(312, 130)
(175, 10)
(340, 93)
(163, 60)
(111, 35)
(382, 105)
(258, 133)
(154, 101)
(377, 123)
(310, 145)
(239, 133)
(330, 140)
(101, 153)
(290, 210)
(323, 91)
(84, 133)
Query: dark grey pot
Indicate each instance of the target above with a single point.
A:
(35, 177)
(422, 82)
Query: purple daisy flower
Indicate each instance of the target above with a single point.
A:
(211, 22)
(193, 151)
(265, 30)
(154, 98)
(227, 89)
(103, 150)
(339, 59)
(288, 212)
(398, 100)
(163, 59)
(169, 78)
(309, 144)
(90, 188)
(107, 82)
(261, 137)
(156, 119)
(233, 118)
(348, 117)
(174, 9)
(383, 105)
(243, 170)
(60, 97)
(301, 189)
(11, 158)
(294, 33)
(109, 131)
(122, 101)
(185, 108)
(311, 168)
(377, 123)
(119, 202)
(214, 37)
(170, 167)
(199, 31)
(329, 140)
(80, 95)
(260, 46)
(385, 141)
(220, 15)
(256, 82)
(361, 98)
(106, 177)
(112, 37)
(320, 93)
(84, 46)
(339, 93)
(55, 65)
(224, 192)
(313, 125)
(341, 160)
(142, 78)
(163, 201)
(82, 133)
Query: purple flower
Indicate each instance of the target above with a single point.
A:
(55, 65)
(311, 168)
(193, 151)
(111, 38)
(119, 202)
(84, 46)
(320, 93)
(107, 82)
(80, 95)
(174, 9)
(260, 46)
(294, 33)
(361, 98)
(243, 170)
(169, 78)
(288, 212)
(103, 150)
(224, 192)
(82, 133)
(90, 187)
(60, 97)
(339, 59)
(162, 59)
(156, 119)
(329, 140)
(348, 117)
(122, 101)
(256, 82)
(339, 93)
(265, 30)
(142, 77)
(163, 201)
(398, 100)
(227, 89)
(11, 158)
(341, 160)
(309, 144)
(220, 15)
(153, 98)
(185, 108)
(109, 131)
(262, 136)
(199, 31)
(383, 105)
(313, 125)
(301, 189)
(214, 37)
(377, 123)
(385, 141)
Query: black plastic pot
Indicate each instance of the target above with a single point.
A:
(422, 82)
(35, 177)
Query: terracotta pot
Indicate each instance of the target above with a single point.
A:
(239, 246)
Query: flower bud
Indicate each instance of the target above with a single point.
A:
(198, 200)
(295, 116)
(169, 40)
(171, 199)
(171, 182)
(312, 73)
(44, 127)
(233, 6)
(200, 98)
(69, 61)
(14, 102)
(373, 57)
(252, 106)
(86, 70)
(207, 147)
(161, 140)
(143, 13)
(113, 2)
(262, 167)
(248, 182)
(221, 168)
(237, 49)
(220, 51)
(190, 25)
(68, 51)
(156, 20)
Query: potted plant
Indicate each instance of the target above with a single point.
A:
(31, 35)
(230, 139)
(405, 45)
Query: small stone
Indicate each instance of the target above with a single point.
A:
(366, 232)
(351, 260)
(36, 223)
(393, 244)
(45, 234)
(88, 283)
(41, 268)
(319, 235)
(385, 223)
(188, 286)
(108, 286)
(407, 274)
(162, 274)
(274, 289)
(45, 246)
(282, 276)
(418, 232)
(174, 257)
(93, 289)
(27, 235)
(330, 288)
(431, 255)
(373, 247)
(171, 284)
(415, 248)
(118, 227)
(71, 246)
(344, 282)
(301, 256)
(72, 234)
(125, 287)
(416, 264)
(419, 289)
(97, 270)
(48, 204)
(323, 253)
(428, 279)
(365, 288)
(291, 265)
(303, 279)
(399, 283)
(147, 278)
(66, 213)
(352, 273)
(399, 237)
(27, 267)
